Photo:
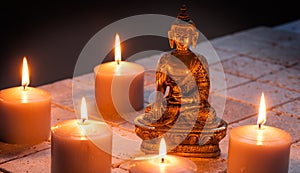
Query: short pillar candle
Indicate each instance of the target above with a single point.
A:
(25, 113)
(258, 148)
(81, 145)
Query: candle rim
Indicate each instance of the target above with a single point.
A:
(133, 71)
(267, 138)
(39, 94)
(75, 125)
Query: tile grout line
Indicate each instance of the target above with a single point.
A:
(240, 84)
(117, 165)
(242, 119)
(296, 141)
(16, 158)
(4, 170)
(265, 59)
(63, 107)
(288, 101)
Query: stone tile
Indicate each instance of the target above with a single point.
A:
(281, 121)
(232, 81)
(246, 67)
(294, 166)
(251, 92)
(61, 92)
(291, 108)
(205, 165)
(39, 162)
(233, 110)
(87, 79)
(79, 91)
(277, 54)
(220, 80)
(293, 26)
(280, 37)
(239, 43)
(288, 78)
(224, 55)
(211, 54)
(126, 145)
(58, 115)
(14, 151)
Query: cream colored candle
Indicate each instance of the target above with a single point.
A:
(119, 87)
(171, 164)
(163, 163)
(25, 113)
(258, 148)
(81, 145)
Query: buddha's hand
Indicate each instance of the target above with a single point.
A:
(158, 110)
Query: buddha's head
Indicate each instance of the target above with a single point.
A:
(183, 31)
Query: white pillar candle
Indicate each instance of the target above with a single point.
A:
(258, 148)
(119, 87)
(81, 145)
(163, 163)
(171, 164)
(25, 113)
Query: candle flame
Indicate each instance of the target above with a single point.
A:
(25, 73)
(162, 149)
(262, 111)
(83, 110)
(117, 49)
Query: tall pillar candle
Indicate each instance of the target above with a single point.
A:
(25, 113)
(119, 87)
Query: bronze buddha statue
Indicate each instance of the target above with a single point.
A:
(181, 110)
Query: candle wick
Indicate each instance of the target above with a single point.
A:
(24, 86)
(83, 120)
(162, 160)
(118, 62)
(259, 126)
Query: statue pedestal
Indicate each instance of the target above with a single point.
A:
(195, 142)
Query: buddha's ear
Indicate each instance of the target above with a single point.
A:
(171, 40)
(194, 39)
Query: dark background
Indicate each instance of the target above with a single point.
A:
(52, 34)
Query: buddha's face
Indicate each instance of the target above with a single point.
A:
(182, 35)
